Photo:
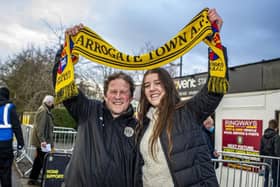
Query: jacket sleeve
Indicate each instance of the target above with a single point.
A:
(17, 127)
(277, 146)
(261, 147)
(204, 103)
(51, 131)
(77, 106)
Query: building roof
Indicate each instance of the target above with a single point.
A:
(258, 76)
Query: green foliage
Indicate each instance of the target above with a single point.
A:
(28, 75)
(62, 118)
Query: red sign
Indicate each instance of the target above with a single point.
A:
(242, 136)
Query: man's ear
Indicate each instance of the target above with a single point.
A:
(105, 98)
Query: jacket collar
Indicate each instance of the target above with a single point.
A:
(4, 101)
(127, 114)
(152, 113)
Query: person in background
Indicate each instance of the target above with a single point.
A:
(270, 146)
(9, 125)
(209, 129)
(171, 147)
(209, 135)
(42, 136)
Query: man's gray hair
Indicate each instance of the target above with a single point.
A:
(49, 100)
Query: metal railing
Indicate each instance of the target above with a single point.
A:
(247, 170)
(239, 175)
(240, 170)
(64, 141)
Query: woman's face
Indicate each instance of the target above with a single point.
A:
(154, 90)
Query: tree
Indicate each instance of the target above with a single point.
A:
(28, 75)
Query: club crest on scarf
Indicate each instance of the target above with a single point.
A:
(62, 64)
(64, 56)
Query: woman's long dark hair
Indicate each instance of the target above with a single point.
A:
(166, 109)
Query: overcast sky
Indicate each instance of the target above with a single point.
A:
(251, 29)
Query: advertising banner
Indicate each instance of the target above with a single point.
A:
(53, 170)
(242, 136)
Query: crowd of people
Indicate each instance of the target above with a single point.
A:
(168, 144)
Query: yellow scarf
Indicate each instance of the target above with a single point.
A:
(90, 45)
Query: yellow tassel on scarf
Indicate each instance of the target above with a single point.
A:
(90, 45)
(217, 82)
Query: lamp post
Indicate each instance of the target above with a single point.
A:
(181, 65)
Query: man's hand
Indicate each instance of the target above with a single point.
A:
(19, 147)
(74, 30)
(20, 150)
(216, 154)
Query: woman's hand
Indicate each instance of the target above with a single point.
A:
(215, 17)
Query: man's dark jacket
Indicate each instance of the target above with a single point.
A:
(103, 155)
(270, 146)
(270, 143)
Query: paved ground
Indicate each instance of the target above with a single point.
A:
(16, 180)
(19, 181)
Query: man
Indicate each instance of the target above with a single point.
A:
(208, 132)
(104, 149)
(42, 136)
(9, 124)
(270, 146)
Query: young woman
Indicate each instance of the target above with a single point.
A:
(172, 150)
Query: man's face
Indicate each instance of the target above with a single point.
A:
(50, 105)
(117, 97)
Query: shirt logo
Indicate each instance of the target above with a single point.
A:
(128, 131)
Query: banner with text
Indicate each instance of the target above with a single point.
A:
(242, 136)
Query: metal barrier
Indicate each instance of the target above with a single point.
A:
(64, 141)
(256, 170)
(239, 175)
(240, 170)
